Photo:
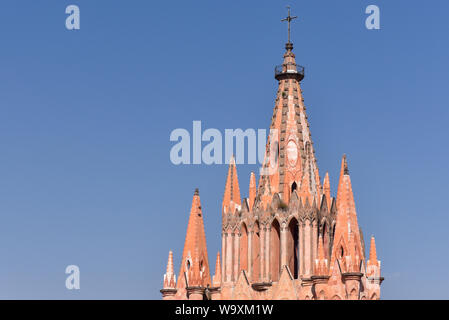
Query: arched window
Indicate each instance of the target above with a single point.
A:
(293, 248)
(294, 186)
(325, 236)
(275, 261)
(332, 237)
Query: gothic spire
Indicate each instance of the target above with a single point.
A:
(347, 242)
(373, 265)
(289, 150)
(169, 276)
(217, 276)
(252, 190)
(327, 190)
(231, 197)
(195, 249)
(372, 252)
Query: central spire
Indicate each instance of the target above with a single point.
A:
(290, 165)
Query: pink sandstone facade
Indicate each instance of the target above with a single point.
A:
(290, 239)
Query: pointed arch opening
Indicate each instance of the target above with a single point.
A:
(243, 248)
(332, 237)
(341, 252)
(275, 252)
(255, 252)
(325, 235)
(293, 248)
(294, 186)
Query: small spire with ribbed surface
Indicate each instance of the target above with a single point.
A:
(372, 252)
(169, 276)
(252, 190)
(305, 192)
(347, 232)
(195, 248)
(345, 165)
(373, 265)
(231, 197)
(327, 190)
(216, 282)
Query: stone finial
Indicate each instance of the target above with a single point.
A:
(231, 197)
(216, 282)
(327, 190)
(252, 190)
(372, 252)
(169, 276)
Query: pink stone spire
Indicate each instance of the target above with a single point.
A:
(231, 197)
(169, 276)
(252, 190)
(216, 282)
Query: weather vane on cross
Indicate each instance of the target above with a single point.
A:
(289, 19)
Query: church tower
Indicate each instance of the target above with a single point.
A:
(290, 239)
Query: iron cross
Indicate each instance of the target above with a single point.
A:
(289, 19)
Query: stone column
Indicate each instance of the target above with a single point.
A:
(223, 257)
(314, 241)
(352, 282)
(236, 262)
(307, 249)
(301, 247)
(284, 246)
(262, 253)
(228, 257)
(267, 253)
(320, 284)
(250, 254)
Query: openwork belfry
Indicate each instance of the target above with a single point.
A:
(290, 239)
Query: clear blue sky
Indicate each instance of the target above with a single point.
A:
(85, 119)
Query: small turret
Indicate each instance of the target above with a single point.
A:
(327, 190)
(252, 190)
(169, 287)
(231, 197)
(216, 282)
